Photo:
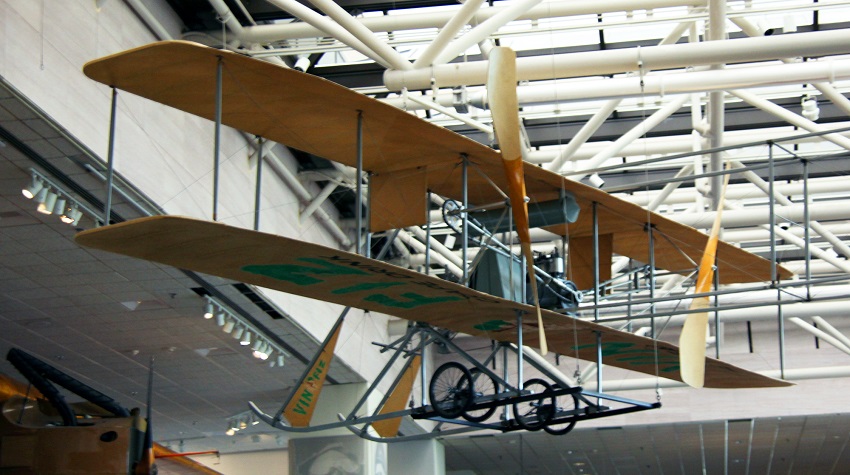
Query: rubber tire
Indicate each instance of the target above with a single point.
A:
(482, 385)
(535, 414)
(450, 390)
(561, 403)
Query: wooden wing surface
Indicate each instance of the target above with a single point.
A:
(406, 155)
(332, 275)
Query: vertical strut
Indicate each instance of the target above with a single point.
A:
(217, 147)
(258, 185)
(358, 199)
(110, 160)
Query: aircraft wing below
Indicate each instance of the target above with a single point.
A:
(318, 272)
(406, 155)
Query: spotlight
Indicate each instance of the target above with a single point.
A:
(246, 339)
(219, 318)
(258, 343)
(228, 325)
(237, 334)
(33, 189)
(811, 110)
(596, 180)
(208, 310)
(230, 431)
(41, 195)
(280, 361)
(46, 207)
(59, 207)
(72, 216)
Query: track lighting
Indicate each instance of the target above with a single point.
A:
(208, 309)
(596, 180)
(72, 216)
(243, 331)
(54, 200)
(46, 206)
(811, 110)
(30, 191)
(59, 207)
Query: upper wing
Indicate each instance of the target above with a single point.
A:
(406, 155)
(348, 279)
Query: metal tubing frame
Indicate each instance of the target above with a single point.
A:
(258, 184)
(110, 160)
(773, 270)
(358, 199)
(219, 81)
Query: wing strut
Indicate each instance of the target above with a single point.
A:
(504, 106)
(299, 408)
(693, 337)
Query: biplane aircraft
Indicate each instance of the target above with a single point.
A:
(406, 158)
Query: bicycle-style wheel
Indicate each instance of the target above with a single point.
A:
(564, 402)
(450, 390)
(535, 413)
(482, 385)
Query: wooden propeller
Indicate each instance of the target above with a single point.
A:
(504, 106)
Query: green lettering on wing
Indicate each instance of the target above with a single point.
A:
(494, 326)
(366, 286)
(302, 275)
(624, 352)
(412, 300)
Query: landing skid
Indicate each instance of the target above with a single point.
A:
(471, 399)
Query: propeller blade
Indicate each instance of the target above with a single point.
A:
(145, 465)
(504, 106)
(693, 337)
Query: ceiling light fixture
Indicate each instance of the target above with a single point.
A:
(52, 199)
(30, 191)
(46, 206)
(246, 333)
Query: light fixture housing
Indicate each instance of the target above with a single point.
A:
(59, 207)
(209, 311)
(246, 338)
(72, 216)
(46, 207)
(219, 318)
(237, 333)
(228, 325)
(30, 191)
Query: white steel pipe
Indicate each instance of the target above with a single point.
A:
(318, 200)
(680, 144)
(513, 11)
(362, 33)
(746, 191)
(436, 246)
(581, 137)
(447, 32)
(641, 129)
(597, 63)
(819, 333)
(438, 19)
(424, 102)
(302, 194)
(832, 331)
(667, 83)
(438, 257)
(837, 243)
(322, 23)
(790, 117)
(756, 216)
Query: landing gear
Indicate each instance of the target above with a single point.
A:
(565, 405)
(483, 387)
(451, 390)
(534, 414)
